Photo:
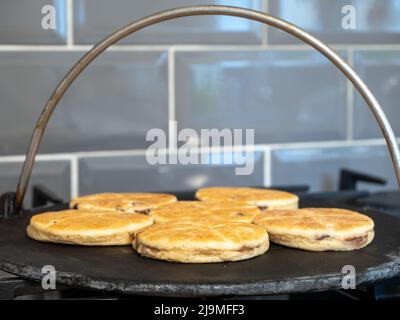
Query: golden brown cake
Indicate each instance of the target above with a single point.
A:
(203, 242)
(123, 202)
(195, 210)
(87, 228)
(265, 199)
(318, 229)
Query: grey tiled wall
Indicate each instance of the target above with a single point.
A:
(381, 72)
(205, 72)
(321, 165)
(242, 89)
(377, 21)
(96, 19)
(55, 175)
(110, 106)
(20, 22)
(103, 174)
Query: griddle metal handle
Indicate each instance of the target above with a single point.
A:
(194, 11)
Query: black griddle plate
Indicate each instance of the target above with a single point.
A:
(388, 201)
(120, 269)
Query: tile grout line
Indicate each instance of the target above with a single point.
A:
(264, 27)
(70, 23)
(350, 100)
(142, 152)
(267, 179)
(74, 176)
(329, 144)
(110, 153)
(256, 47)
(171, 85)
(172, 125)
(39, 157)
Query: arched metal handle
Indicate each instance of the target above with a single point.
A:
(194, 11)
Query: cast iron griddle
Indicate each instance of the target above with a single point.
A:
(120, 269)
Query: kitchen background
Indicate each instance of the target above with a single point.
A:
(205, 72)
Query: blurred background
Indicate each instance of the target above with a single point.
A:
(204, 72)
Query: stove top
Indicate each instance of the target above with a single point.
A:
(12, 287)
(389, 202)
